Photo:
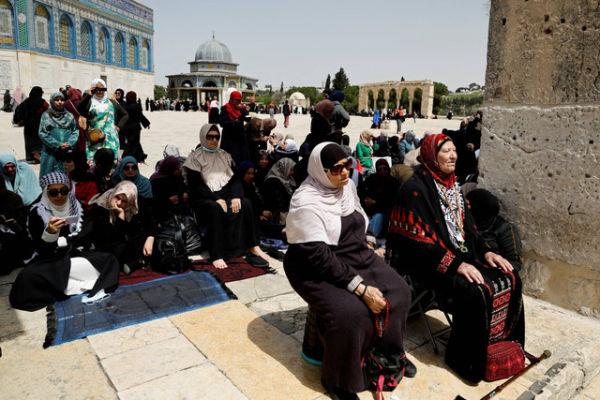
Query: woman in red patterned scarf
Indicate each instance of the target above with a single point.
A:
(436, 240)
(233, 138)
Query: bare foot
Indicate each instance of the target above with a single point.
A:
(219, 264)
(257, 251)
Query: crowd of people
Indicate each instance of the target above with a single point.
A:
(346, 213)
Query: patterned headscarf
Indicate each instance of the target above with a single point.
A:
(428, 157)
(47, 209)
(125, 187)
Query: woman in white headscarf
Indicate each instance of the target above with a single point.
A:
(331, 266)
(105, 114)
(61, 266)
(219, 199)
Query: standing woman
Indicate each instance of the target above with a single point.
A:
(58, 133)
(331, 266)
(17, 98)
(29, 113)
(232, 119)
(104, 114)
(131, 131)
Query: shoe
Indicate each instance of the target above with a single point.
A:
(256, 261)
(410, 369)
(339, 394)
(273, 252)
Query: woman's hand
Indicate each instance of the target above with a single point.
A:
(174, 199)
(148, 244)
(496, 260)
(185, 197)
(471, 273)
(55, 224)
(369, 202)
(223, 205)
(373, 298)
(120, 213)
(64, 146)
(236, 205)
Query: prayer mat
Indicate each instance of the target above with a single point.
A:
(129, 305)
(237, 270)
(141, 275)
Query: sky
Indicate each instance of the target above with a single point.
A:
(300, 42)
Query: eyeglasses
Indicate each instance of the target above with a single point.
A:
(213, 137)
(55, 192)
(337, 168)
(131, 167)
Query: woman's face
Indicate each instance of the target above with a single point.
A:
(69, 166)
(130, 170)
(58, 103)
(446, 158)
(236, 103)
(100, 93)
(264, 161)
(9, 169)
(121, 201)
(212, 139)
(341, 179)
(117, 95)
(291, 174)
(249, 175)
(58, 194)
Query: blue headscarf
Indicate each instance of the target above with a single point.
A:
(25, 183)
(141, 182)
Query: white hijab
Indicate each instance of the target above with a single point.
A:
(214, 165)
(317, 206)
(100, 104)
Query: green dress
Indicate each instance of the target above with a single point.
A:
(53, 132)
(102, 116)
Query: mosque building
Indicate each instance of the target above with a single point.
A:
(212, 73)
(54, 43)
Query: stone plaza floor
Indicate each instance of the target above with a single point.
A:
(250, 348)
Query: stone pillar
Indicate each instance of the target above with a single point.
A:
(411, 96)
(363, 99)
(179, 94)
(540, 146)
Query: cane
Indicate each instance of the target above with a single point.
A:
(534, 360)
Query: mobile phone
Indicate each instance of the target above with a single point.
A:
(72, 219)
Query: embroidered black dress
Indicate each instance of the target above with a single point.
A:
(482, 314)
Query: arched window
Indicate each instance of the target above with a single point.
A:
(6, 23)
(132, 53)
(85, 40)
(103, 45)
(66, 34)
(118, 49)
(145, 56)
(42, 28)
(232, 84)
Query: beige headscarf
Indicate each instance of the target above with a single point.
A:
(365, 138)
(127, 188)
(214, 165)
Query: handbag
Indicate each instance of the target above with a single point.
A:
(382, 371)
(504, 359)
(94, 135)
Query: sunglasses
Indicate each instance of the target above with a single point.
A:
(337, 168)
(55, 192)
(130, 167)
(215, 137)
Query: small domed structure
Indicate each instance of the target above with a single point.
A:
(213, 50)
(298, 99)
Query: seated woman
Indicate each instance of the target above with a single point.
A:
(378, 197)
(407, 144)
(263, 167)
(102, 170)
(218, 200)
(170, 194)
(438, 239)
(331, 266)
(59, 270)
(82, 181)
(20, 178)
(278, 189)
(119, 227)
(364, 151)
(288, 149)
(128, 170)
(15, 245)
(502, 236)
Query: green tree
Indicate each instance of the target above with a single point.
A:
(351, 98)
(328, 82)
(159, 92)
(439, 90)
(340, 80)
(402, 79)
(281, 87)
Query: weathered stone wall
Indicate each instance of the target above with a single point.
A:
(541, 141)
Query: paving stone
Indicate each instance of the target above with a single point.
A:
(259, 359)
(563, 385)
(68, 371)
(132, 337)
(203, 382)
(286, 312)
(17, 323)
(591, 392)
(156, 360)
(268, 285)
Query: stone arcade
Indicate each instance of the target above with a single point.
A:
(391, 92)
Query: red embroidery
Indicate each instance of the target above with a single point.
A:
(445, 262)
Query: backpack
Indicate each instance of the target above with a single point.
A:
(177, 239)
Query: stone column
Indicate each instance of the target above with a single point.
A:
(540, 146)
(411, 96)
